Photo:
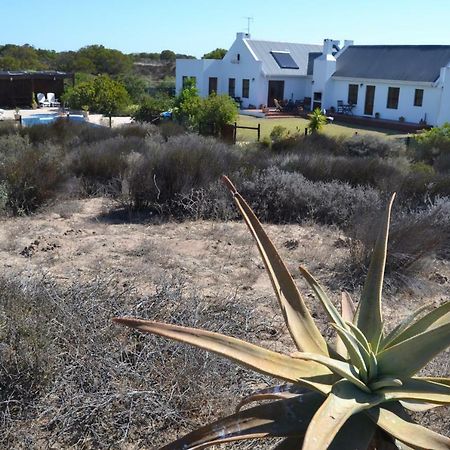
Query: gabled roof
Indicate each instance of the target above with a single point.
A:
(299, 53)
(393, 62)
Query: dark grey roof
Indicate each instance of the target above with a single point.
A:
(28, 74)
(393, 62)
(299, 52)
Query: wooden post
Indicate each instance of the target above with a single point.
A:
(259, 131)
(110, 121)
(306, 131)
(235, 133)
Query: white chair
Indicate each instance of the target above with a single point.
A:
(52, 99)
(42, 101)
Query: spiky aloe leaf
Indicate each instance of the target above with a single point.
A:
(301, 325)
(344, 401)
(417, 406)
(415, 435)
(359, 335)
(441, 380)
(283, 418)
(273, 393)
(420, 390)
(405, 323)
(341, 368)
(358, 354)
(348, 310)
(330, 309)
(357, 433)
(369, 318)
(249, 355)
(386, 382)
(408, 357)
(437, 317)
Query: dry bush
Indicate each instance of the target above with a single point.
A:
(70, 378)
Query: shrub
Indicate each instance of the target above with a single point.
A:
(368, 145)
(217, 111)
(279, 133)
(31, 174)
(316, 121)
(432, 143)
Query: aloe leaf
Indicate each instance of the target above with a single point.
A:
(405, 323)
(347, 312)
(293, 443)
(410, 433)
(408, 357)
(440, 380)
(359, 335)
(354, 350)
(344, 401)
(434, 319)
(417, 406)
(341, 368)
(330, 309)
(357, 433)
(419, 390)
(369, 319)
(273, 393)
(386, 382)
(278, 419)
(301, 325)
(249, 355)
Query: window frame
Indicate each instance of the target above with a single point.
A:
(210, 91)
(353, 92)
(246, 88)
(232, 87)
(393, 97)
(418, 99)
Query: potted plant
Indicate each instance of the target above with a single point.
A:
(401, 119)
(377, 115)
(34, 104)
(17, 114)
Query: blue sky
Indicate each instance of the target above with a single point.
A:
(197, 26)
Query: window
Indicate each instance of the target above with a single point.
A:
(317, 100)
(352, 94)
(284, 60)
(232, 87)
(238, 57)
(212, 87)
(245, 88)
(392, 101)
(418, 97)
(189, 81)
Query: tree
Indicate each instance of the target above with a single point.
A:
(218, 53)
(151, 108)
(167, 55)
(217, 111)
(188, 105)
(102, 95)
(316, 120)
(135, 86)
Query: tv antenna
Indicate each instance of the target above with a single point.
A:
(249, 20)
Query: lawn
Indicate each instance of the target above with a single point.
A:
(298, 124)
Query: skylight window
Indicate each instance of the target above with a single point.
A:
(284, 60)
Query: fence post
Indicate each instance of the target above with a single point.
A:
(235, 133)
(306, 131)
(259, 131)
(408, 140)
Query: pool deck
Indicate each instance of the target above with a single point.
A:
(97, 119)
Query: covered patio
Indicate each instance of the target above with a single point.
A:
(18, 87)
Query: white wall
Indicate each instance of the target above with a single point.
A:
(444, 111)
(429, 109)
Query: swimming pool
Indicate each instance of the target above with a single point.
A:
(45, 119)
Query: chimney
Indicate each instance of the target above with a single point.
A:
(242, 36)
(327, 46)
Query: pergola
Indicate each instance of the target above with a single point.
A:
(17, 87)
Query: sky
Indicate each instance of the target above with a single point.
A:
(197, 26)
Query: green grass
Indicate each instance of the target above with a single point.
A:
(298, 124)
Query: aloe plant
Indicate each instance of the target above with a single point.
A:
(354, 394)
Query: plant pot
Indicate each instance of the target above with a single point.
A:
(16, 116)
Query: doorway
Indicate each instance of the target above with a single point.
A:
(276, 90)
(370, 97)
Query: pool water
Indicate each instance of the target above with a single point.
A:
(45, 119)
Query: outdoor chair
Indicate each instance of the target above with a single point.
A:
(278, 105)
(340, 107)
(42, 101)
(52, 99)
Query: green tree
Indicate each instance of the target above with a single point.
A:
(218, 53)
(102, 95)
(316, 121)
(430, 144)
(188, 105)
(135, 86)
(167, 55)
(217, 111)
(151, 108)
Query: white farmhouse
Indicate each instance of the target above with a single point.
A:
(392, 82)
